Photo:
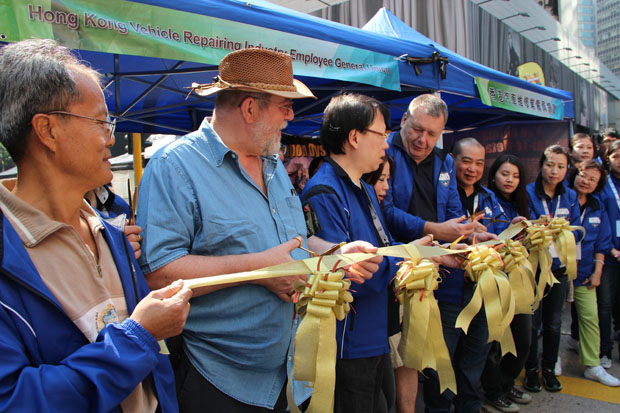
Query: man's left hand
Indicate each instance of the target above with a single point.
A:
(363, 270)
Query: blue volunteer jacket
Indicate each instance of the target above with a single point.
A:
(508, 212)
(608, 198)
(568, 207)
(451, 287)
(343, 215)
(396, 202)
(597, 240)
(46, 363)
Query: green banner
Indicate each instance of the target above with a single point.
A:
(124, 27)
(508, 97)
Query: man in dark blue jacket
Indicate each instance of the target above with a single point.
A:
(354, 135)
(423, 199)
(79, 329)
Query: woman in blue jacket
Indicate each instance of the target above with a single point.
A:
(587, 180)
(498, 377)
(548, 196)
(607, 294)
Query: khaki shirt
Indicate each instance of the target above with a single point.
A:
(87, 286)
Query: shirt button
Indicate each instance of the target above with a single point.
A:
(234, 156)
(273, 210)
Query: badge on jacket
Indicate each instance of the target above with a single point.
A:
(444, 179)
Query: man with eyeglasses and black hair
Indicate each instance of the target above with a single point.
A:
(79, 329)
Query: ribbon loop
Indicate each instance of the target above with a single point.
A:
(483, 266)
(422, 344)
(320, 301)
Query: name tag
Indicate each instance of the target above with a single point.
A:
(579, 251)
(618, 228)
(594, 221)
(562, 212)
(444, 178)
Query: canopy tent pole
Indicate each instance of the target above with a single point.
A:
(137, 158)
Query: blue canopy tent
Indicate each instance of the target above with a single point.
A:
(458, 89)
(146, 86)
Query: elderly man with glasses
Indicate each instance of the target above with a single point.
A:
(79, 329)
(219, 201)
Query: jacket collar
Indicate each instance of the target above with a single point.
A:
(540, 190)
(397, 141)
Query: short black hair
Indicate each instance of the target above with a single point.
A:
(553, 149)
(347, 112)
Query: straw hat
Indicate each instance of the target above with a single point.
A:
(256, 70)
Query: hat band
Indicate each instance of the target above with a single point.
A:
(220, 83)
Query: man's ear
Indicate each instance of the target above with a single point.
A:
(403, 120)
(249, 109)
(45, 131)
(353, 138)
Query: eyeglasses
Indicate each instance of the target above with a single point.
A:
(109, 124)
(385, 135)
(288, 107)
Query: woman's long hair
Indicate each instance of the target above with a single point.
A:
(518, 196)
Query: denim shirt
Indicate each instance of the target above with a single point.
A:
(196, 198)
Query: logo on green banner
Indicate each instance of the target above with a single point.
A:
(512, 98)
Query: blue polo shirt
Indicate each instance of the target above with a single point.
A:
(343, 214)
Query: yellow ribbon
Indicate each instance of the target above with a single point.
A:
(483, 266)
(565, 244)
(538, 239)
(521, 276)
(422, 344)
(320, 301)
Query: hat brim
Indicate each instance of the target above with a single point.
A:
(301, 90)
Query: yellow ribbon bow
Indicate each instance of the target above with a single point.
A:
(565, 244)
(521, 276)
(320, 301)
(537, 240)
(483, 266)
(422, 344)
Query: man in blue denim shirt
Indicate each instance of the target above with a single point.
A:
(219, 201)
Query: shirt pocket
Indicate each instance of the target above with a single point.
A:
(292, 217)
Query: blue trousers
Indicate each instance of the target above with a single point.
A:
(606, 296)
(468, 353)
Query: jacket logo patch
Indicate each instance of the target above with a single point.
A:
(444, 179)
(594, 221)
(488, 212)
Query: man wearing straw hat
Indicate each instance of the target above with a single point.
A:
(219, 201)
(78, 331)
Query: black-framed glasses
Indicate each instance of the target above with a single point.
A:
(385, 134)
(109, 124)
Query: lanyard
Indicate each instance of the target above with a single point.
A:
(475, 205)
(381, 234)
(615, 191)
(544, 202)
(583, 214)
